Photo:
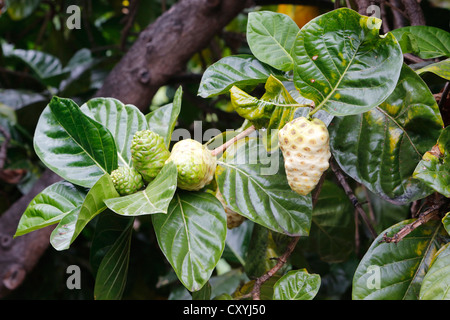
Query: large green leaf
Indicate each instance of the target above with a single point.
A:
(73, 223)
(394, 271)
(162, 120)
(429, 42)
(73, 145)
(382, 147)
(254, 184)
(436, 283)
(296, 285)
(434, 168)
(121, 120)
(192, 236)
(343, 64)
(240, 70)
(332, 230)
(441, 68)
(50, 206)
(113, 270)
(154, 199)
(271, 38)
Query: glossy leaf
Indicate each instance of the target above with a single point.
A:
(382, 147)
(163, 120)
(113, 271)
(154, 199)
(434, 168)
(296, 285)
(50, 206)
(121, 120)
(395, 271)
(192, 236)
(342, 63)
(271, 37)
(446, 222)
(430, 42)
(72, 224)
(436, 283)
(254, 184)
(441, 68)
(239, 70)
(73, 145)
(332, 229)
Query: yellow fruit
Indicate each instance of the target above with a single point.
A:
(306, 151)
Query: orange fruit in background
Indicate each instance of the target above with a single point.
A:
(299, 13)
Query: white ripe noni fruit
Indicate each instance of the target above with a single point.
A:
(305, 145)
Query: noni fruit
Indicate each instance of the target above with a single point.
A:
(306, 151)
(234, 219)
(195, 164)
(126, 180)
(148, 153)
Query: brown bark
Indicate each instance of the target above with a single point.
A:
(160, 53)
(162, 50)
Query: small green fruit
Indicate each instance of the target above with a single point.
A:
(126, 180)
(195, 164)
(306, 151)
(148, 153)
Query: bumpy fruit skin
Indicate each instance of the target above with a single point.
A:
(127, 180)
(148, 153)
(306, 150)
(234, 219)
(195, 164)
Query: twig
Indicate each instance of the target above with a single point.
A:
(444, 95)
(341, 178)
(241, 135)
(256, 291)
(4, 146)
(129, 23)
(423, 218)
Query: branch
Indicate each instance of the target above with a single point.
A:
(423, 218)
(342, 180)
(414, 12)
(241, 135)
(256, 291)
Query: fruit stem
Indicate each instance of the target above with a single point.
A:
(241, 135)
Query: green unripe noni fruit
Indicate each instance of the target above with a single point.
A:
(126, 180)
(148, 153)
(195, 164)
(306, 151)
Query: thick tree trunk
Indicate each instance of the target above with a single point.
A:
(162, 50)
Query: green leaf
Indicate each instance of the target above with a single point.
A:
(72, 224)
(436, 283)
(17, 98)
(163, 120)
(394, 271)
(446, 222)
(434, 168)
(240, 70)
(332, 229)
(441, 68)
(154, 199)
(430, 42)
(296, 285)
(382, 147)
(120, 119)
(108, 229)
(112, 273)
(192, 236)
(73, 145)
(254, 184)
(203, 294)
(342, 63)
(50, 206)
(271, 38)
(47, 68)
